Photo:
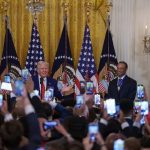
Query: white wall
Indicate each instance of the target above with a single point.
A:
(128, 20)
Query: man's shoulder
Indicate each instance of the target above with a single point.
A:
(114, 80)
(50, 79)
(131, 79)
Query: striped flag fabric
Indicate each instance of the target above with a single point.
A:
(108, 63)
(63, 67)
(86, 64)
(35, 51)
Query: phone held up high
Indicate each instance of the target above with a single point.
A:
(93, 129)
(140, 91)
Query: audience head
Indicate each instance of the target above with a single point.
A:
(111, 138)
(132, 143)
(11, 133)
(126, 106)
(113, 126)
(47, 109)
(145, 142)
(122, 68)
(81, 110)
(43, 68)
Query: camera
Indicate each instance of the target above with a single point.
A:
(93, 129)
(49, 125)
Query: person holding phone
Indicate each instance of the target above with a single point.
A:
(123, 86)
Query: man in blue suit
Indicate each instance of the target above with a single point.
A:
(43, 78)
(122, 87)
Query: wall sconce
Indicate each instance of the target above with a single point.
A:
(146, 41)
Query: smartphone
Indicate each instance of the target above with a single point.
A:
(89, 87)
(79, 100)
(25, 74)
(7, 78)
(60, 85)
(18, 87)
(140, 91)
(1, 100)
(144, 108)
(82, 87)
(97, 99)
(93, 129)
(48, 95)
(49, 125)
(111, 106)
(119, 144)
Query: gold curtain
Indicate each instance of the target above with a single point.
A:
(50, 24)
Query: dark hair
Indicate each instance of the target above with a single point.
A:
(11, 133)
(47, 109)
(123, 62)
(126, 105)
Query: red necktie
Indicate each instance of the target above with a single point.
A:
(42, 89)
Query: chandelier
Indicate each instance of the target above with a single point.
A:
(35, 6)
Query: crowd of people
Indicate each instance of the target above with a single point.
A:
(28, 122)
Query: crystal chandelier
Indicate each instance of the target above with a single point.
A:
(35, 6)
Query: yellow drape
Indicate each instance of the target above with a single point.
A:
(50, 24)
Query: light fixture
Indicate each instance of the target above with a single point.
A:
(35, 6)
(146, 41)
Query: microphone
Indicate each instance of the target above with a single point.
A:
(41, 80)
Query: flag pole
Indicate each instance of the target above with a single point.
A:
(88, 6)
(65, 6)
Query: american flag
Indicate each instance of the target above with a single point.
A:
(35, 51)
(108, 63)
(9, 61)
(86, 63)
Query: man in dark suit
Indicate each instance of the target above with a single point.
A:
(122, 87)
(43, 82)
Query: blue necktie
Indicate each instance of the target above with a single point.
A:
(119, 83)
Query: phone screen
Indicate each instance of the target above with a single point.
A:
(140, 91)
(97, 99)
(111, 106)
(7, 78)
(93, 129)
(119, 144)
(49, 125)
(89, 87)
(19, 87)
(25, 74)
(49, 94)
(82, 87)
(79, 100)
(144, 108)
